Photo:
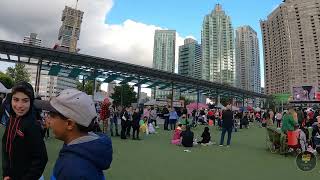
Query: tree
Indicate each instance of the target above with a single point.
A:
(225, 100)
(6, 80)
(18, 73)
(186, 100)
(88, 86)
(124, 94)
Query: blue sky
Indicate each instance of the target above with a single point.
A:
(185, 16)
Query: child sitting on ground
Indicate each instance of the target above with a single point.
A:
(176, 135)
(151, 128)
(143, 125)
(206, 137)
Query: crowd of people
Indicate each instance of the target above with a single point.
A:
(82, 125)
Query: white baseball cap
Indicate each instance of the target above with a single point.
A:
(72, 104)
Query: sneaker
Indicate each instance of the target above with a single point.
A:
(157, 127)
(221, 145)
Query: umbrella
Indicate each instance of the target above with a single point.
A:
(194, 105)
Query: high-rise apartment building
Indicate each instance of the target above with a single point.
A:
(32, 40)
(291, 37)
(190, 59)
(69, 32)
(44, 83)
(164, 54)
(217, 40)
(247, 59)
(164, 50)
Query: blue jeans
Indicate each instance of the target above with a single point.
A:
(114, 122)
(223, 133)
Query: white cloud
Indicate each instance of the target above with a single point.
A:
(129, 41)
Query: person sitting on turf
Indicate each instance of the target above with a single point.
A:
(187, 137)
(151, 128)
(176, 135)
(206, 137)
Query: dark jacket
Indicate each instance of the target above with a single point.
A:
(227, 119)
(84, 160)
(187, 138)
(315, 131)
(28, 151)
(136, 117)
(206, 137)
(124, 117)
(165, 112)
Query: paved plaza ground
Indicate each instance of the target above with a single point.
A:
(154, 158)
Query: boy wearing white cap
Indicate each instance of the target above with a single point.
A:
(84, 154)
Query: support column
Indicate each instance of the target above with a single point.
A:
(243, 101)
(83, 82)
(94, 84)
(198, 98)
(154, 92)
(139, 94)
(38, 76)
(122, 95)
(172, 93)
(94, 88)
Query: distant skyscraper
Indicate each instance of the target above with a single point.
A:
(217, 40)
(68, 37)
(291, 37)
(164, 54)
(190, 59)
(164, 50)
(44, 83)
(69, 32)
(247, 59)
(32, 40)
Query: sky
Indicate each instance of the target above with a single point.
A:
(123, 29)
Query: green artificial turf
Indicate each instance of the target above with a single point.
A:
(154, 158)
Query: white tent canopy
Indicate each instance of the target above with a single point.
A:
(3, 89)
(152, 102)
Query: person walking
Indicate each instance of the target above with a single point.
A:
(227, 125)
(84, 154)
(24, 154)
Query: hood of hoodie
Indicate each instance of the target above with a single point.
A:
(97, 151)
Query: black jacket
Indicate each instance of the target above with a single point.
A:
(136, 117)
(227, 119)
(206, 137)
(187, 138)
(28, 151)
